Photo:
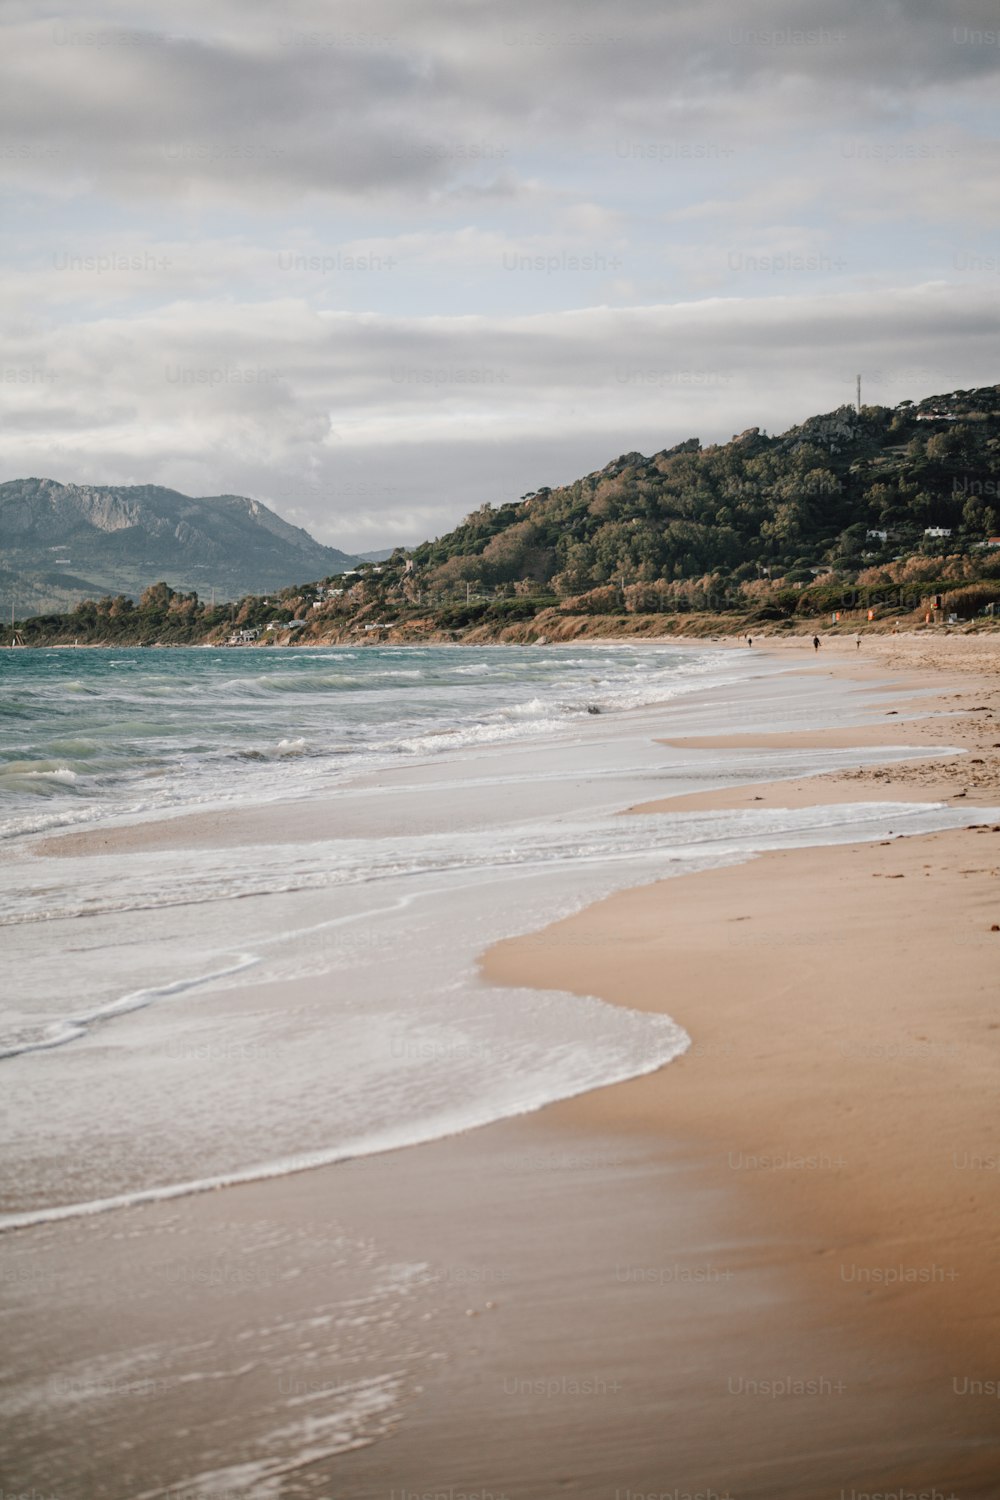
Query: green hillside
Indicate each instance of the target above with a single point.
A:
(786, 505)
(882, 509)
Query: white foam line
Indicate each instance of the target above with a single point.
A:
(359, 916)
(137, 1000)
(854, 819)
(355, 877)
(678, 1043)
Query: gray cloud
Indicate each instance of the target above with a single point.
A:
(378, 262)
(434, 416)
(375, 98)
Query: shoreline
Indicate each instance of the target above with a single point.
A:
(295, 819)
(858, 1111)
(620, 1303)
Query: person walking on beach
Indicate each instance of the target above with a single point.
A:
(749, 640)
(815, 642)
(857, 641)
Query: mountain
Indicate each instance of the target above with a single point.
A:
(62, 542)
(882, 509)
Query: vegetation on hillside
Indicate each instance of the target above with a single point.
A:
(757, 506)
(878, 509)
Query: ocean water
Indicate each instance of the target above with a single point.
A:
(198, 1014)
(234, 1012)
(89, 733)
(163, 964)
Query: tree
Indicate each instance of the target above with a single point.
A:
(155, 600)
(456, 572)
(505, 556)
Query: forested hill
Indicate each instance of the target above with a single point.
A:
(886, 511)
(789, 504)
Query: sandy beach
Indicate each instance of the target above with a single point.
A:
(500, 751)
(767, 1270)
(846, 1049)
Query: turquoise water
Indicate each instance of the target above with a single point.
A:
(89, 733)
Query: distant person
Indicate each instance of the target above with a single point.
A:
(857, 642)
(749, 640)
(815, 642)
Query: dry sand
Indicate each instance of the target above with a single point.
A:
(844, 1006)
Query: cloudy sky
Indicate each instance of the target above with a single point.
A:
(377, 261)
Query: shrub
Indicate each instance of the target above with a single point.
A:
(972, 599)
